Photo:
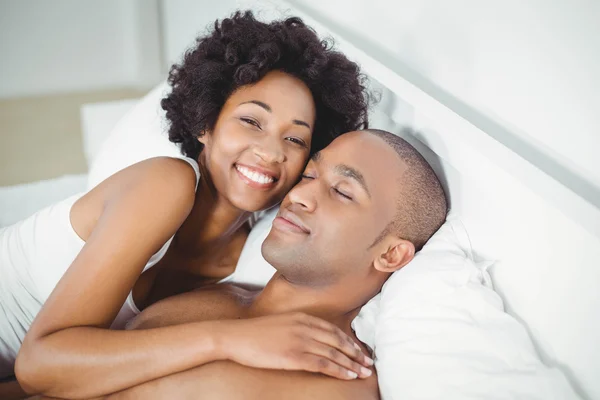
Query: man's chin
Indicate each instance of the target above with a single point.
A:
(278, 253)
(270, 249)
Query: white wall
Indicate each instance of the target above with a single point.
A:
(531, 66)
(77, 45)
(184, 20)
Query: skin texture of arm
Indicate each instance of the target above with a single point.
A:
(68, 351)
(250, 380)
(245, 383)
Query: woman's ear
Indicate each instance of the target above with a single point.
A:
(397, 254)
(203, 137)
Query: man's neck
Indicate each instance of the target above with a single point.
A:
(282, 296)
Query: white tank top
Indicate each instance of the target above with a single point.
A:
(34, 255)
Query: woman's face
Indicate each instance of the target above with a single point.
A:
(261, 142)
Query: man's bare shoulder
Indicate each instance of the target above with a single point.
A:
(233, 293)
(300, 385)
(221, 301)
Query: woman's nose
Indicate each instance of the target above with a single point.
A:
(270, 151)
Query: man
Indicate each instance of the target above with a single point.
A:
(364, 205)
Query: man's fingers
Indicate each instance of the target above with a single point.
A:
(340, 359)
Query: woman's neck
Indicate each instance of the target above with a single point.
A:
(211, 220)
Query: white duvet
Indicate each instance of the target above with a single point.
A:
(20, 201)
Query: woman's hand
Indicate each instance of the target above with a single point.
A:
(293, 341)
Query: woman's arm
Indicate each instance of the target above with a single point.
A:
(85, 362)
(68, 351)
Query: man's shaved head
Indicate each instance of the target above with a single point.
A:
(421, 202)
(364, 205)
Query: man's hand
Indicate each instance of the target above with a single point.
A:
(293, 341)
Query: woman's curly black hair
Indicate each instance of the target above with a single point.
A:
(240, 51)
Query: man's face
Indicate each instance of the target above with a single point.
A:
(328, 222)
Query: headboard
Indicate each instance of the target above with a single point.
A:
(538, 221)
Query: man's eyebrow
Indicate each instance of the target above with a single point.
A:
(258, 103)
(352, 173)
(347, 171)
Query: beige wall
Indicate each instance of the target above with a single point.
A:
(40, 137)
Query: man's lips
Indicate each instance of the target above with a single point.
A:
(288, 221)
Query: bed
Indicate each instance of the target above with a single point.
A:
(538, 223)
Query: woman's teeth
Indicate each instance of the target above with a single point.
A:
(254, 176)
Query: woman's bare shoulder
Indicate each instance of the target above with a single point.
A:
(160, 174)
(154, 183)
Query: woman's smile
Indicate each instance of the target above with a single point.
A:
(256, 177)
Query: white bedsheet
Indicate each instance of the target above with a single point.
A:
(20, 201)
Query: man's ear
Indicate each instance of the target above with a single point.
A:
(397, 254)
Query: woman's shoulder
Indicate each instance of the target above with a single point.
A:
(168, 173)
(153, 185)
(164, 175)
(181, 167)
(152, 180)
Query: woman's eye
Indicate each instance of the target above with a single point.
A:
(297, 141)
(342, 194)
(250, 121)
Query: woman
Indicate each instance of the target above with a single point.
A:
(248, 105)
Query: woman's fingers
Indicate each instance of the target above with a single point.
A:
(322, 365)
(334, 337)
(352, 368)
(295, 341)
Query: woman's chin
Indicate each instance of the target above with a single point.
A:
(254, 205)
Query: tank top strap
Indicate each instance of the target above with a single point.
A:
(194, 165)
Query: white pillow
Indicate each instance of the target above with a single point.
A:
(441, 332)
(252, 269)
(20, 201)
(139, 135)
(437, 328)
(97, 122)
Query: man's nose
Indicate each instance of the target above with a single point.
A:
(270, 150)
(304, 195)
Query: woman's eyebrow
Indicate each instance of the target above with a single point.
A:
(299, 122)
(258, 103)
(266, 107)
